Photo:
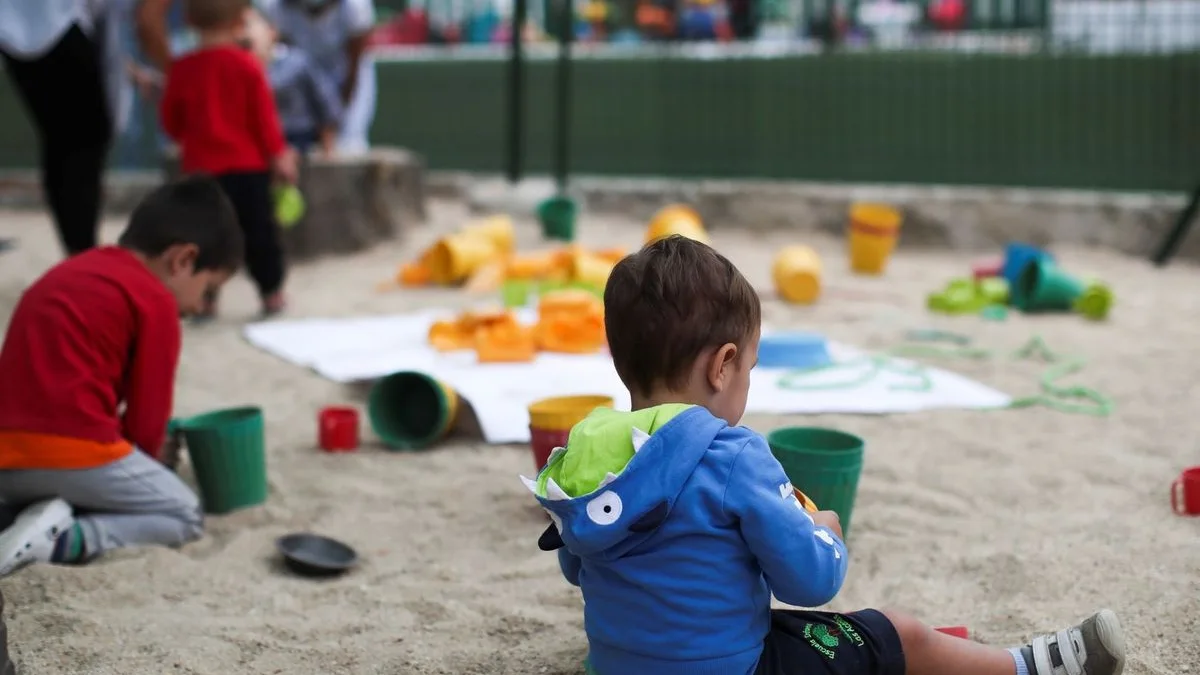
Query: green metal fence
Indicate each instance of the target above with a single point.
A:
(1053, 107)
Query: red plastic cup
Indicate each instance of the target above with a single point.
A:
(337, 429)
(543, 441)
(987, 268)
(1185, 493)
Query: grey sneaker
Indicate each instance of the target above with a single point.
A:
(1096, 646)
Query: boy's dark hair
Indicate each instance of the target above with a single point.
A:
(666, 304)
(192, 210)
(213, 14)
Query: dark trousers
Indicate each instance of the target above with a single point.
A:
(64, 93)
(6, 664)
(250, 193)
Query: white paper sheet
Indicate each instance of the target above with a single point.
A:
(358, 349)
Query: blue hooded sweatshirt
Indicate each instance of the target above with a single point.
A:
(678, 528)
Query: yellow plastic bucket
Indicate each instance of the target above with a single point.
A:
(676, 219)
(873, 230)
(563, 412)
(456, 257)
(591, 269)
(797, 273)
(497, 229)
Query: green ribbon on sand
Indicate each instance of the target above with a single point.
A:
(1075, 400)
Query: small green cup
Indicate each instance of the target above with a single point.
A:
(824, 464)
(1043, 286)
(228, 452)
(557, 216)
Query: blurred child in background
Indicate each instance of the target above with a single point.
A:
(219, 107)
(310, 105)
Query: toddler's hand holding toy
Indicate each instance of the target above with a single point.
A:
(830, 520)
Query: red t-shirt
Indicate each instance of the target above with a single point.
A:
(96, 331)
(219, 108)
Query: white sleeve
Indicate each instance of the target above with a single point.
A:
(360, 16)
(269, 9)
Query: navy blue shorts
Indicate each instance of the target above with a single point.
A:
(821, 643)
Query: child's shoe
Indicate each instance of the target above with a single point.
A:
(273, 304)
(34, 534)
(1096, 646)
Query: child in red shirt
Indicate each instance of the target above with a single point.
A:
(98, 331)
(219, 108)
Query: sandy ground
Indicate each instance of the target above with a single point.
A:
(1008, 522)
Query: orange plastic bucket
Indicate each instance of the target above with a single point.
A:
(872, 233)
(551, 419)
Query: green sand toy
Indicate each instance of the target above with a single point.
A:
(822, 463)
(289, 205)
(967, 296)
(1043, 286)
(557, 216)
(1094, 302)
(228, 457)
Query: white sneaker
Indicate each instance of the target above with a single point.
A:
(1095, 646)
(32, 537)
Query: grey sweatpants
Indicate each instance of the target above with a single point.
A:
(134, 501)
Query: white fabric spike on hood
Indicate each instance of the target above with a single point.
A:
(554, 455)
(608, 478)
(532, 485)
(554, 492)
(639, 439)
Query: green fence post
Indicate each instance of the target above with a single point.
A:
(516, 92)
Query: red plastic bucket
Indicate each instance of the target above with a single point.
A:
(543, 441)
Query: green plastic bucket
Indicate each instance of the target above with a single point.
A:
(557, 216)
(822, 463)
(228, 456)
(1043, 286)
(411, 410)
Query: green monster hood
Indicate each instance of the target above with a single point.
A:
(599, 448)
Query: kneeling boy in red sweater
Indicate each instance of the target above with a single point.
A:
(99, 331)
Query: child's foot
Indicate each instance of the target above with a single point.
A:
(1095, 646)
(33, 536)
(273, 304)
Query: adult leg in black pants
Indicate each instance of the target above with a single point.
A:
(64, 93)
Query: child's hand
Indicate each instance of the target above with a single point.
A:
(168, 456)
(286, 166)
(830, 520)
(328, 142)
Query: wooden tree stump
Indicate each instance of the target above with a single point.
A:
(353, 202)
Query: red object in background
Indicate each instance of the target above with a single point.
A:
(544, 441)
(989, 267)
(955, 631)
(338, 429)
(409, 28)
(1185, 493)
(948, 14)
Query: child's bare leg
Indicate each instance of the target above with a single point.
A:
(1094, 647)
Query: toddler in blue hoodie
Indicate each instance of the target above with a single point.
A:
(679, 527)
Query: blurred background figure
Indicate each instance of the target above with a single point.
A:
(65, 59)
(334, 34)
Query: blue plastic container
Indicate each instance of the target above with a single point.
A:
(796, 351)
(1016, 257)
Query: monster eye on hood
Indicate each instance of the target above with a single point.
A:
(614, 483)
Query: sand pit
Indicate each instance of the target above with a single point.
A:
(1006, 521)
